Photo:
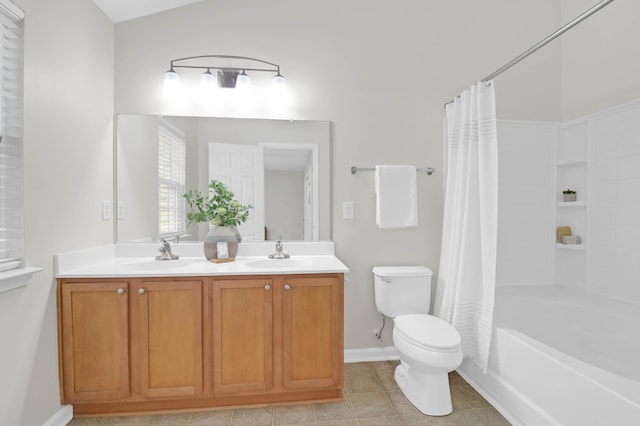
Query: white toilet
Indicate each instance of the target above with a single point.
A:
(428, 346)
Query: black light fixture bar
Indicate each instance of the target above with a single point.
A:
(175, 63)
(231, 72)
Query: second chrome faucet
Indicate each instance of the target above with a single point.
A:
(279, 254)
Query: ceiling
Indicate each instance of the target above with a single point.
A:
(123, 10)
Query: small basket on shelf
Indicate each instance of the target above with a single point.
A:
(568, 195)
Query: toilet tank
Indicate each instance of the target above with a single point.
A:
(401, 290)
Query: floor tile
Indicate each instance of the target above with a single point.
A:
(330, 411)
(125, 420)
(420, 420)
(357, 367)
(473, 397)
(375, 404)
(388, 381)
(362, 382)
(384, 366)
(262, 416)
(455, 379)
(178, 419)
(491, 417)
(338, 423)
(85, 421)
(211, 418)
(293, 415)
(463, 418)
(380, 421)
(401, 404)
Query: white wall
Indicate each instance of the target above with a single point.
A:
(137, 186)
(600, 67)
(68, 114)
(349, 62)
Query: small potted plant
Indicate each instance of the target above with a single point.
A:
(223, 212)
(569, 195)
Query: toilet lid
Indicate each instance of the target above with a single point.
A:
(427, 330)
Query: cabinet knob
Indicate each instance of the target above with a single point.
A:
(287, 287)
(267, 287)
(120, 291)
(141, 291)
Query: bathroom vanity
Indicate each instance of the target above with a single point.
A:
(139, 335)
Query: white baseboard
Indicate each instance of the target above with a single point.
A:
(62, 417)
(370, 354)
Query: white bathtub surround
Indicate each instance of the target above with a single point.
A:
(576, 364)
(138, 259)
(466, 283)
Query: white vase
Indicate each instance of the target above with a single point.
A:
(217, 234)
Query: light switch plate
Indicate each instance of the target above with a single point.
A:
(106, 210)
(347, 210)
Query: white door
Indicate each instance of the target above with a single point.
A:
(241, 168)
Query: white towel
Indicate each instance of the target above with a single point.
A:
(396, 196)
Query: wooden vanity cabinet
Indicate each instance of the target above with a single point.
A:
(130, 340)
(157, 344)
(280, 334)
(166, 335)
(312, 332)
(242, 334)
(94, 341)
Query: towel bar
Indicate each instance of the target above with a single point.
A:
(428, 170)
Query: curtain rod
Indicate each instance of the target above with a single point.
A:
(545, 41)
(354, 170)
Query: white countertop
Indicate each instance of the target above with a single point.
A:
(138, 260)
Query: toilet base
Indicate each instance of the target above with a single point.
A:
(429, 393)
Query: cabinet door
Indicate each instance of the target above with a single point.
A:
(242, 335)
(313, 332)
(169, 327)
(95, 341)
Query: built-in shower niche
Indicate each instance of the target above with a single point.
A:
(572, 153)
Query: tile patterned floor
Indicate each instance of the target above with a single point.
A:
(372, 398)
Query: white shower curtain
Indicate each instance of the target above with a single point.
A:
(466, 281)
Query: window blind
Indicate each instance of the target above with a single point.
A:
(11, 147)
(172, 180)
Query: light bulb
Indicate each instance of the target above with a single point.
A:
(171, 83)
(208, 83)
(243, 82)
(279, 83)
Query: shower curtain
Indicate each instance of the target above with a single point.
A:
(465, 291)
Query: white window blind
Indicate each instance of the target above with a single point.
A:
(11, 148)
(171, 180)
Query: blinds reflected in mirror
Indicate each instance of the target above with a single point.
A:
(171, 180)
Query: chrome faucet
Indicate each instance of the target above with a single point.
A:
(279, 254)
(165, 251)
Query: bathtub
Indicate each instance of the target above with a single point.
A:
(561, 356)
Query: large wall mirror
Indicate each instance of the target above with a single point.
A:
(289, 164)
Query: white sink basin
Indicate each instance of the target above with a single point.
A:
(278, 263)
(156, 265)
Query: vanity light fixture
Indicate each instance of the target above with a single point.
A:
(231, 72)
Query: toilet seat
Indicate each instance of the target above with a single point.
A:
(427, 332)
